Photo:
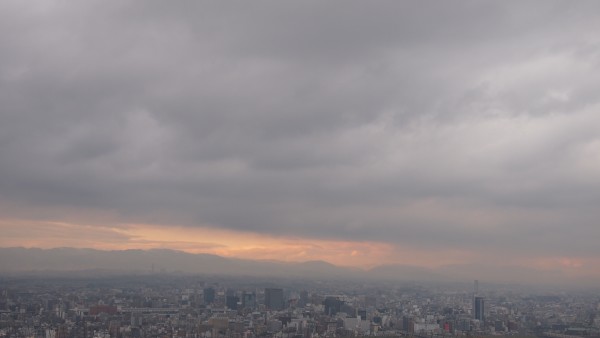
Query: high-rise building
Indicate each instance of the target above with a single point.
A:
(303, 298)
(249, 300)
(479, 308)
(209, 295)
(232, 302)
(274, 299)
(408, 324)
(333, 305)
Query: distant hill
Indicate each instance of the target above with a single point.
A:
(20, 261)
(23, 260)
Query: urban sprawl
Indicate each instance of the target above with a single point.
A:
(185, 306)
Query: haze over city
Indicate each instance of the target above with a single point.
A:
(433, 135)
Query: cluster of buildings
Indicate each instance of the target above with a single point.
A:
(151, 306)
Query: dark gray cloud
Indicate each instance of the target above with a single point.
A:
(459, 124)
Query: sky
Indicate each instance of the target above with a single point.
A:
(394, 132)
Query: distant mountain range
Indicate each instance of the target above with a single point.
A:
(15, 261)
(33, 261)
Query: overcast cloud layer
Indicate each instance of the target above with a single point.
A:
(458, 124)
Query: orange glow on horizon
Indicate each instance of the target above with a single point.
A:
(222, 242)
(239, 244)
(227, 243)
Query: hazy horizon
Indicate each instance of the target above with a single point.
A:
(69, 263)
(458, 133)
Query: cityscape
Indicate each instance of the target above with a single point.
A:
(299, 168)
(162, 305)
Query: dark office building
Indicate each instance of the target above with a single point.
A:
(303, 299)
(209, 295)
(332, 305)
(478, 308)
(408, 324)
(249, 300)
(274, 299)
(232, 302)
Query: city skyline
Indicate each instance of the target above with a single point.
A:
(426, 135)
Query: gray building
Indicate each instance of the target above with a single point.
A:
(274, 299)
(479, 308)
